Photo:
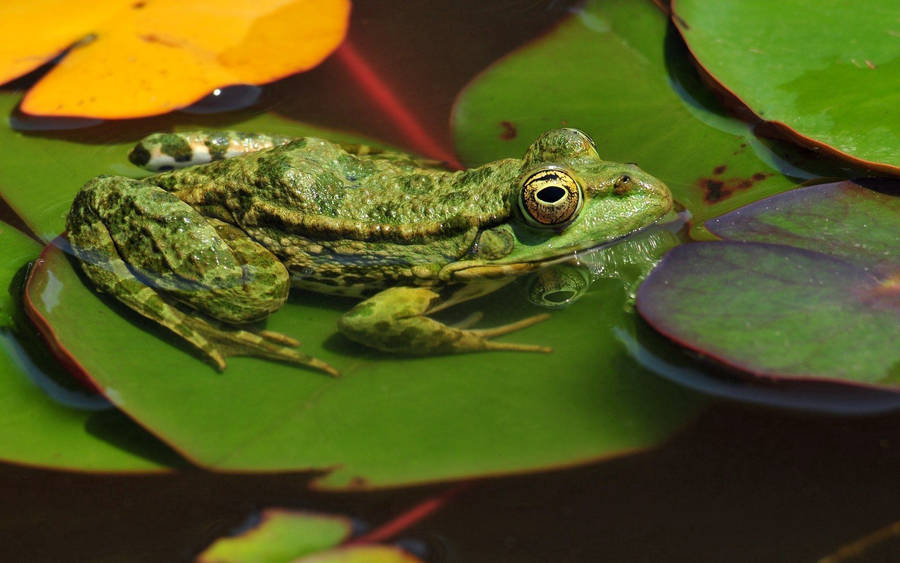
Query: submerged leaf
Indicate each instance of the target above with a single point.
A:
(148, 57)
(828, 310)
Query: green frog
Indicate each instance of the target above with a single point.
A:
(208, 249)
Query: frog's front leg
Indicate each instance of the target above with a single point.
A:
(148, 249)
(395, 320)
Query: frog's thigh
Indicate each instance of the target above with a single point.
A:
(208, 265)
(394, 321)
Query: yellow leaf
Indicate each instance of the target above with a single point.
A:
(147, 57)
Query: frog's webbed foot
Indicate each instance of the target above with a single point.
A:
(218, 342)
(395, 321)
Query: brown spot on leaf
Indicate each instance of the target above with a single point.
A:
(509, 130)
(138, 5)
(153, 38)
(716, 190)
(718, 170)
(358, 482)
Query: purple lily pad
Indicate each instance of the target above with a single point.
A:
(809, 290)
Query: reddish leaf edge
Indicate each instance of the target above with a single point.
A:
(735, 367)
(43, 326)
(767, 128)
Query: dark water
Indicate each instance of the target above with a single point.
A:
(741, 483)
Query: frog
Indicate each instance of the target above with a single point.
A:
(213, 242)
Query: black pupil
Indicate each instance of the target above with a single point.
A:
(559, 296)
(551, 194)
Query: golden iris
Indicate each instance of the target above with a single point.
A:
(550, 197)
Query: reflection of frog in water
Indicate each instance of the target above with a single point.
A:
(209, 248)
(629, 261)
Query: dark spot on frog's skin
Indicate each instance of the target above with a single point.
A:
(718, 170)
(176, 147)
(718, 190)
(139, 155)
(217, 144)
(509, 131)
(166, 168)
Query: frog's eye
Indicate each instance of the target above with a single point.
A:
(550, 198)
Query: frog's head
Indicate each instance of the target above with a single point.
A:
(566, 198)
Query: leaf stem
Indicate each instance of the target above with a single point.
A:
(407, 519)
(388, 102)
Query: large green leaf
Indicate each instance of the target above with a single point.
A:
(389, 420)
(824, 308)
(44, 423)
(612, 71)
(827, 72)
(41, 173)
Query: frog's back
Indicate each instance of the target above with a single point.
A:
(316, 188)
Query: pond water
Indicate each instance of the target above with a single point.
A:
(616, 446)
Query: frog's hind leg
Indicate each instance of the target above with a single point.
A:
(168, 151)
(395, 320)
(118, 229)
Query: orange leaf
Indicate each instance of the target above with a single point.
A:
(153, 56)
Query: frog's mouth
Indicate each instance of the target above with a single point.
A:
(473, 270)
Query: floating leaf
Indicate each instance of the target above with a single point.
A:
(146, 57)
(36, 428)
(843, 219)
(284, 536)
(361, 554)
(829, 310)
(281, 535)
(389, 420)
(823, 74)
(612, 71)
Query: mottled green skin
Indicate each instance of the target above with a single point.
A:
(224, 237)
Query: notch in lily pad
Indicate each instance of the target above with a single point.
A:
(805, 286)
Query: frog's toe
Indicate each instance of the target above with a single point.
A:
(280, 338)
(511, 327)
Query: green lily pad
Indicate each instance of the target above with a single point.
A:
(41, 173)
(389, 420)
(284, 536)
(280, 536)
(613, 72)
(823, 73)
(43, 423)
(826, 308)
